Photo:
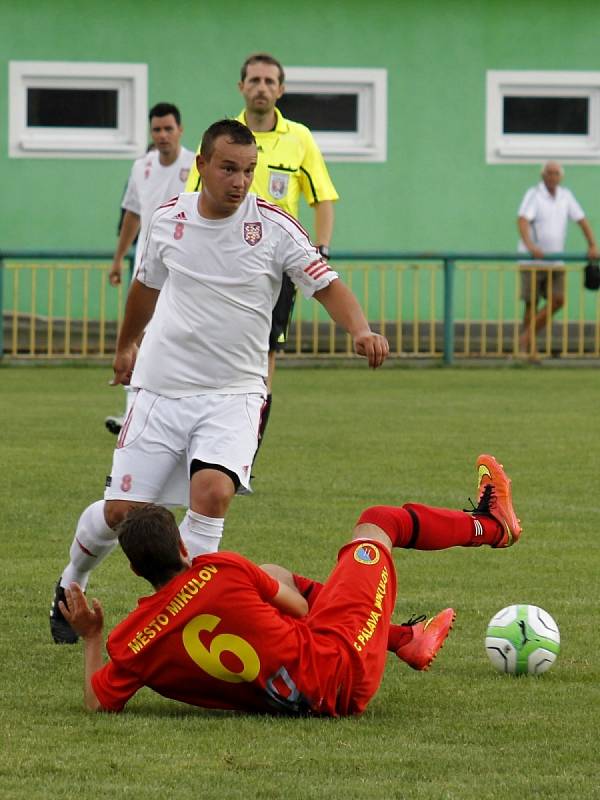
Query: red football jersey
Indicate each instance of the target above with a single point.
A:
(211, 637)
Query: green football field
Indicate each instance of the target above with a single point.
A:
(339, 440)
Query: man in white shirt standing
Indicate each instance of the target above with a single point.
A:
(155, 177)
(542, 221)
(210, 273)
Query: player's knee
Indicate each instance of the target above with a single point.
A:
(220, 493)
(115, 512)
(212, 494)
(216, 500)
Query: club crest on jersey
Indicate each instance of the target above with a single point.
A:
(183, 175)
(252, 232)
(366, 553)
(278, 185)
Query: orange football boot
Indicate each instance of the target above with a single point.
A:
(428, 637)
(495, 499)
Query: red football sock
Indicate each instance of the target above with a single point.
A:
(398, 636)
(427, 528)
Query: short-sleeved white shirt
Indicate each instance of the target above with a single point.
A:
(150, 184)
(548, 216)
(218, 281)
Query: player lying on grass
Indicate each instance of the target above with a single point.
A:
(221, 632)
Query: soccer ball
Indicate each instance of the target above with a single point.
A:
(522, 640)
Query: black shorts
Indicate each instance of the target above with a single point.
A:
(282, 315)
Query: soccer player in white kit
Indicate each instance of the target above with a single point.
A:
(210, 273)
(157, 176)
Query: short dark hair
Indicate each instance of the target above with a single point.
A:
(162, 110)
(235, 131)
(150, 539)
(262, 58)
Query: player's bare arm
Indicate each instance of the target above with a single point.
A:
(89, 624)
(343, 308)
(141, 302)
(288, 600)
(286, 581)
(129, 230)
(280, 574)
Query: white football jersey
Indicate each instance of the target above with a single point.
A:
(150, 184)
(219, 280)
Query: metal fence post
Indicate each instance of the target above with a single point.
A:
(1, 309)
(448, 311)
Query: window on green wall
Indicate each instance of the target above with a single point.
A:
(555, 116)
(346, 109)
(77, 109)
(72, 108)
(322, 112)
(533, 116)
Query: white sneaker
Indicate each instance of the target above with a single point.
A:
(114, 424)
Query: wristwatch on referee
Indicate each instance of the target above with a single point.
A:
(324, 250)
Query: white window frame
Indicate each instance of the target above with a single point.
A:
(369, 142)
(127, 140)
(504, 148)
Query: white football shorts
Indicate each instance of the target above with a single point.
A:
(162, 435)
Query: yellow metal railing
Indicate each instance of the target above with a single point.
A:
(60, 309)
(442, 306)
(403, 301)
(489, 313)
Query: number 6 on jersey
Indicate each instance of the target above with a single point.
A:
(209, 659)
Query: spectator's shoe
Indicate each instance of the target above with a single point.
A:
(114, 424)
(61, 631)
(495, 499)
(428, 637)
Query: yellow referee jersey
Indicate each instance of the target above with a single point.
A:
(289, 164)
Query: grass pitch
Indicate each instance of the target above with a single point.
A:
(339, 440)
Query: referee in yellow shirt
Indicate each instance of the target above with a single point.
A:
(289, 165)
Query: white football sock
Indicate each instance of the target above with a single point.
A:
(201, 534)
(93, 541)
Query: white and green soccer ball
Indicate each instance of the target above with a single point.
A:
(522, 640)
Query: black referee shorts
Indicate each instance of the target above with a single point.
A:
(282, 315)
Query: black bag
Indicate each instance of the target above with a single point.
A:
(591, 276)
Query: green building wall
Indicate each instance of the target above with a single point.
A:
(435, 192)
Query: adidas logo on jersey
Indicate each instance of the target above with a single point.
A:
(181, 215)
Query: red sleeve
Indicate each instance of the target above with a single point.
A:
(114, 686)
(266, 586)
